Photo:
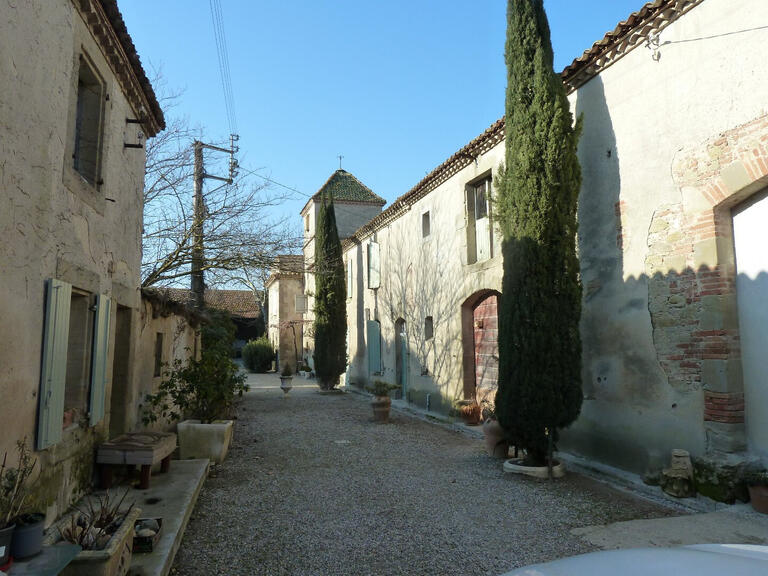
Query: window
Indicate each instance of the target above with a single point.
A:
(425, 224)
(350, 283)
(75, 346)
(479, 228)
(88, 124)
(429, 330)
(158, 354)
(306, 223)
(80, 343)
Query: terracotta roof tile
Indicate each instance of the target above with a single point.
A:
(240, 303)
(651, 19)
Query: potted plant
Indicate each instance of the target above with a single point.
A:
(286, 378)
(470, 411)
(104, 530)
(496, 442)
(13, 491)
(381, 402)
(757, 484)
(203, 389)
(305, 370)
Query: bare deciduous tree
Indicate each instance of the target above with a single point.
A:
(241, 238)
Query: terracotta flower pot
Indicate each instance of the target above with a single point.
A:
(470, 412)
(758, 497)
(381, 406)
(496, 442)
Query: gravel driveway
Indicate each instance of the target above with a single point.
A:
(313, 486)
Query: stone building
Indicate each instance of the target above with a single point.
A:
(674, 158)
(285, 310)
(354, 205)
(76, 110)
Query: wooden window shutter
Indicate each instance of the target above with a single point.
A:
(300, 303)
(374, 346)
(374, 266)
(53, 372)
(99, 357)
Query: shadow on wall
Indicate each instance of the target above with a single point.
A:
(416, 287)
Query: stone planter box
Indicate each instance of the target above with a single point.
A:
(198, 440)
(114, 560)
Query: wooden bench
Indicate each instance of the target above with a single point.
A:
(136, 449)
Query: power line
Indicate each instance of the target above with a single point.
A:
(223, 57)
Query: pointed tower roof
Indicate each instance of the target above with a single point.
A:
(344, 186)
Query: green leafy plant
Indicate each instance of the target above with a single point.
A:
(305, 367)
(92, 527)
(258, 355)
(381, 388)
(286, 372)
(330, 302)
(204, 388)
(539, 387)
(13, 483)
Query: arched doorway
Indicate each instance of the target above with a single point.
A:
(480, 343)
(401, 357)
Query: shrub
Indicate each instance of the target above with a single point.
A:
(258, 355)
(203, 389)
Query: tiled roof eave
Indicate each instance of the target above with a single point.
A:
(460, 160)
(649, 21)
(106, 25)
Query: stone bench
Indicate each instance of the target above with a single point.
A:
(136, 449)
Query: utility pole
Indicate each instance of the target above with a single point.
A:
(197, 285)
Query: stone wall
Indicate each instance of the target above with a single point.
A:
(56, 225)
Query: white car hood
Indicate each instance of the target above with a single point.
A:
(699, 560)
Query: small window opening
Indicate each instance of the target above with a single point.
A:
(429, 329)
(159, 354)
(88, 124)
(425, 225)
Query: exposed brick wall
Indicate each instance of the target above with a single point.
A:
(622, 234)
(727, 408)
(691, 266)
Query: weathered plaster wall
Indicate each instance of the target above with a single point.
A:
(423, 277)
(52, 224)
(285, 324)
(349, 217)
(180, 341)
(660, 335)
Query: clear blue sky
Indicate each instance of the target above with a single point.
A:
(394, 86)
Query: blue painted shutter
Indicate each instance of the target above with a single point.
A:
(374, 346)
(53, 372)
(99, 357)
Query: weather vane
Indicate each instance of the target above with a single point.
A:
(339, 157)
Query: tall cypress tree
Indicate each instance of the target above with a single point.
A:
(539, 345)
(330, 300)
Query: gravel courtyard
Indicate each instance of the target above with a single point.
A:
(313, 486)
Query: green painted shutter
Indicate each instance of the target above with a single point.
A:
(99, 357)
(53, 372)
(374, 346)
